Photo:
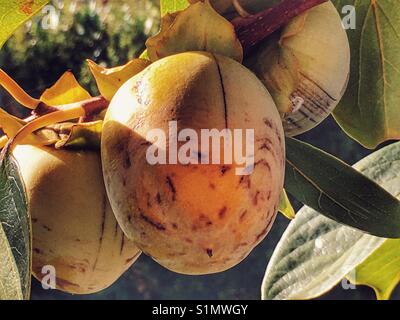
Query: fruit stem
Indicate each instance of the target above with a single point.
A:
(63, 113)
(255, 28)
(17, 92)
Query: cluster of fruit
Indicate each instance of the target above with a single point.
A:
(93, 213)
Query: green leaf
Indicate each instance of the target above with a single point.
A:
(85, 135)
(381, 270)
(15, 239)
(285, 207)
(339, 192)
(315, 252)
(144, 55)
(171, 6)
(10, 282)
(369, 111)
(13, 13)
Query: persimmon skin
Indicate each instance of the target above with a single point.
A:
(306, 67)
(193, 219)
(74, 229)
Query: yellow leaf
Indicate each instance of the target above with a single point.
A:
(110, 80)
(381, 270)
(285, 207)
(14, 13)
(11, 125)
(209, 32)
(65, 91)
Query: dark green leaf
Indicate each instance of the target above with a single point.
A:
(15, 221)
(369, 110)
(339, 192)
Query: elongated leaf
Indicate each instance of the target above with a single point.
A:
(171, 6)
(381, 270)
(369, 111)
(16, 228)
(315, 252)
(13, 13)
(339, 192)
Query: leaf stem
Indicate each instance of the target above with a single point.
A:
(255, 28)
(17, 92)
(63, 113)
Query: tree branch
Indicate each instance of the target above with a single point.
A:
(254, 29)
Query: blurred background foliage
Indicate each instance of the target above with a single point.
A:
(61, 38)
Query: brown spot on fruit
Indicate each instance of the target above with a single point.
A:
(38, 251)
(225, 169)
(212, 186)
(209, 252)
(222, 212)
(175, 226)
(268, 123)
(46, 227)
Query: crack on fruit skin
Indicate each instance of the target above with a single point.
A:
(122, 243)
(242, 216)
(127, 161)
(158, 198)
(264, 163)
(129, 260)
(264, 232)
(221, 79)
(246, 180)
(116, 229)
(171, 187)
(159, 226)
(64, 284)
(102, 228)
(317, 105)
